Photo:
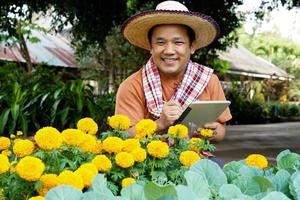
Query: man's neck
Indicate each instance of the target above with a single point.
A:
(165, 76)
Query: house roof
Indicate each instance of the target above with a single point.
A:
(243, 62)
(51, 49)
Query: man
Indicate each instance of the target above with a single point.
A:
(163, 88)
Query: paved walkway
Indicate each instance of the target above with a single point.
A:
(266, 139)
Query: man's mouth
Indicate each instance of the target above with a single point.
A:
(169, 60)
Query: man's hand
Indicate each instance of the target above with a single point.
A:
(219, 131)
(171, 111)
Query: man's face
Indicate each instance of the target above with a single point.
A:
(171, 49)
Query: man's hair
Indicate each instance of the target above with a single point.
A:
(190, 32)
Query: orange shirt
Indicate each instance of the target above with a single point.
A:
(131, 100)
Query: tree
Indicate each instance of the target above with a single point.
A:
(91, 19)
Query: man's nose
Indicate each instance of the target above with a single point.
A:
(169, 48)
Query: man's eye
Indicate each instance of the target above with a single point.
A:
(159, 42)
(179, 42)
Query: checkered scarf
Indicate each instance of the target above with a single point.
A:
(192, 85)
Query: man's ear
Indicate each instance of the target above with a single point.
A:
(193, 49)
(151, 49)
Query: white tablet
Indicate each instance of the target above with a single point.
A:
(200, 112)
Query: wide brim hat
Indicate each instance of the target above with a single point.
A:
(135, 29)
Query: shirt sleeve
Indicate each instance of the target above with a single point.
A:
(130, 101)
(216, 93)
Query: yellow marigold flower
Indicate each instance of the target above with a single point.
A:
(178, 130)
(131, 144)
(87, 171)
(195, 143)
(206, 132)
(158, 149)
(139, 154)
(12, 136)
(73, 137)
(87, 125)
(257, 160)
(102, 163)
(145, 127)
(19, 133)
(98, 148)
(124, 160)
(23, 148)
(48, 138)
(4, 143)
(49, 181)
(119, 122)
(127, 181)
(37, 198)
(5, 165)
(30, 168)
(70, 178)
(188, 158)
(89, 143)
(6, 152)
(113, 144)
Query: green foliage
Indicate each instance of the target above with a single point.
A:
(112, 63)
(64, 192)
(201, 182)
(42, 98)
(282, 52)
(256, 110)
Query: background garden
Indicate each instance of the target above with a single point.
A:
(33, 95)
(54, 117)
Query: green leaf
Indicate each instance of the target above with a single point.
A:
(64, 115)
(133, 192)
(281, 181)
(24, 122)
(211, 171)
(3, 120)
(198, 184)
(295, 185)
(57, 93)
(247, 185)
(232, 169)
(289, 161)
(54, 110)
(264, 184)
(184, 192)
(63, 193)
(250, 171)
(34, 40)
(154, 191)
(43, 99)
(281, 154)
(229, 191)
(15, 110)
(100, 185)
(275, 196)
(99, 196)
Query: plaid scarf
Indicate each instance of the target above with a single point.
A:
(192, 85)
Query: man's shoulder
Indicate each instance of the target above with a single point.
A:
(134, 80)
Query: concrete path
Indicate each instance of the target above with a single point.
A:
(266, 139)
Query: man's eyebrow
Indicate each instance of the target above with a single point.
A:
(175, 38)
(178, 38)
(159, 38)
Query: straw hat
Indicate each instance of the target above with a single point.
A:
(136, 28)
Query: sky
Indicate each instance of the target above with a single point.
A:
(285, 20)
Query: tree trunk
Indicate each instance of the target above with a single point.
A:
(24, 49)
